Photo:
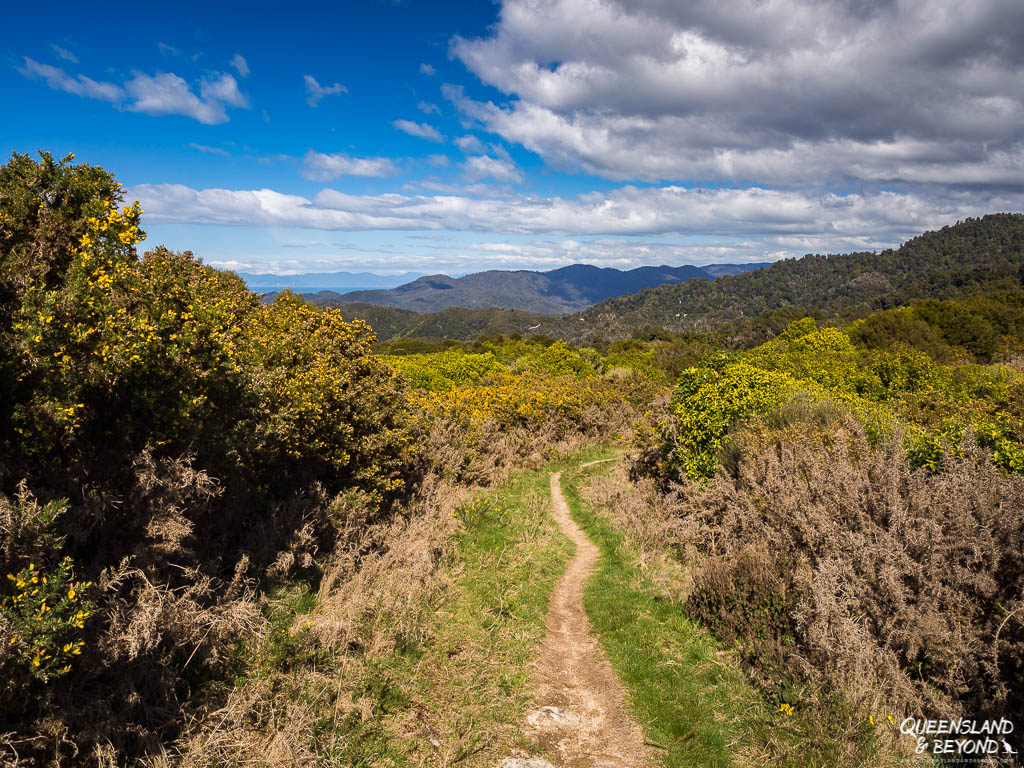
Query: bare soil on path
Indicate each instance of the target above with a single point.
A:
(583, 722)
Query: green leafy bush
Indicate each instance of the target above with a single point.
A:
(885, 389)
(705, 404)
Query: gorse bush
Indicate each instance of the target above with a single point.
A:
(164, 352)
(485, 405)
(446, 370)
(474, 433)
(705, 404)
(179, 436)
(451, 368)
(528, 401)
(46, 613)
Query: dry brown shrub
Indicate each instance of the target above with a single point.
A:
(835, 564)
(485, 453)
(377, 594)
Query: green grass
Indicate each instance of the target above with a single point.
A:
(687, 690)
(453, 689)
(471, 682)
(692, 700)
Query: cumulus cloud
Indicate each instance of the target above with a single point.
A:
(428, 108)
(427, 70)
(317, 166)
(774, 222)
(161, 94)
(773, 92)
(421, 130)
(483, 167)
(240, 64)
(438, 161)
(223, 88)
(168, 94)
(315, 92)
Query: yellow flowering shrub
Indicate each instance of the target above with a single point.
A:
(46, 611)
(705, 404)
(528, 401)
(441, 371)
(165, 353)
(323, 402)
(195, 433)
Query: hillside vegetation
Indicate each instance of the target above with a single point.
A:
(456, 323)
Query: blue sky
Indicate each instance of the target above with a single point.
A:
(453, 137)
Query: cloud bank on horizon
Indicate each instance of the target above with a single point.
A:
(616, 133)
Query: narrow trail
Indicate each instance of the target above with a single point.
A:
(583, 720)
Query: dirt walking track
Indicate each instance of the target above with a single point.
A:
(583, 722)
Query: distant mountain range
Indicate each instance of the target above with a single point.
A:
(313, 282)
(557, 292)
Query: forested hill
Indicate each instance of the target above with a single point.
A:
(970, 257)
(457, 323)
(556, 292)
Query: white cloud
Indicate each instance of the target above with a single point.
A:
(438, 161)
(427, 70)
(773, 92)
(421, 130)
(469, 144)
(64, 53)
(167, 94)
(315, 91)
(208, 150)
(778, 220)
(80, 85)
(317, 166)
(483, 167)
(428, 108)
(669, 148)
(223, 88)
(240, 64)
(161, 94)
